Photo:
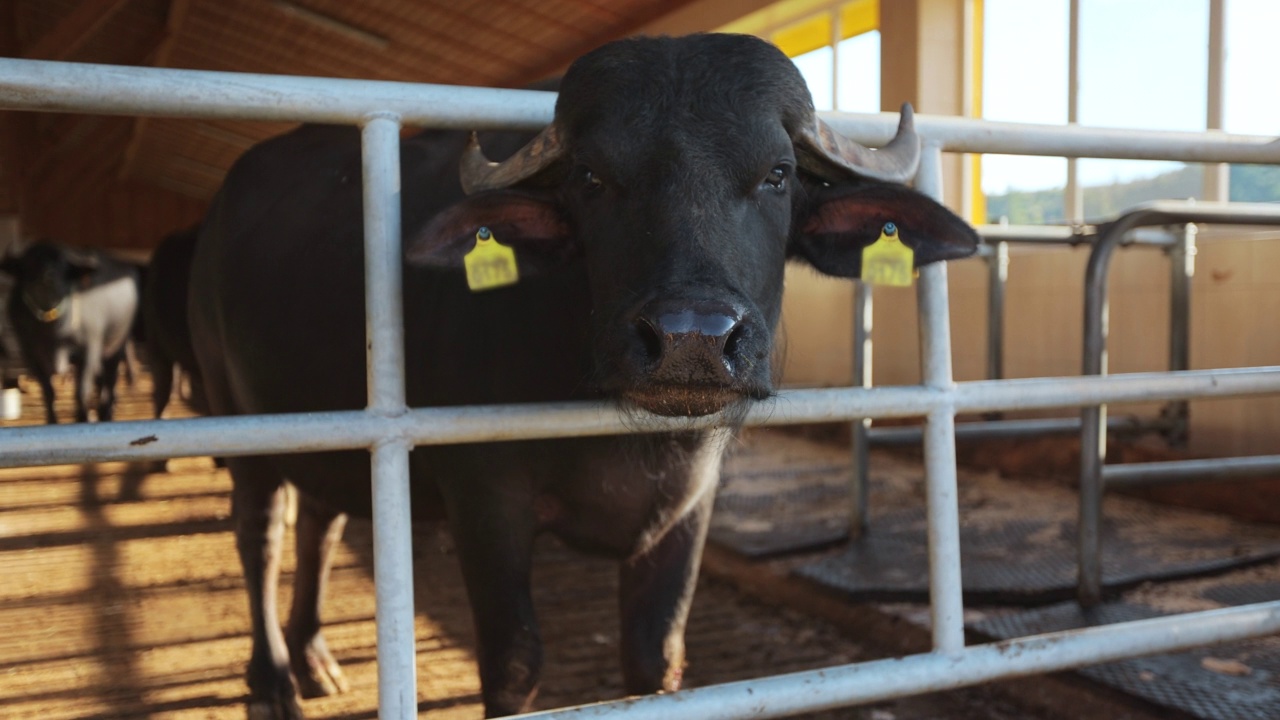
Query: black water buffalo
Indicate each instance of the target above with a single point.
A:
(651, 220)
(164, 314)
(77, 306)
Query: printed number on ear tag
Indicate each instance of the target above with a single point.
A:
(490, 264)
(888, 261)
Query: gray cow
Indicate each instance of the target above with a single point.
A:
(77, 307)
(651, 222)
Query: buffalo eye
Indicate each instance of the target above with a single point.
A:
(776, 179)
(591, 184)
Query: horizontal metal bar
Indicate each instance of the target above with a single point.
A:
(1008, 429)
(117, 90)
(80, 87)
(1042, 393)
(1037, 234)
(311, 432)
(1064, 235)
(1206, 470)
(969, 135)
(814, 690)
(1168, 212)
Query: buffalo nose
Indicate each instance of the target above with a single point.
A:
(697, 340)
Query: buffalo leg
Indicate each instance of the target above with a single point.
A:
(107, 390)
(87, 371)
(257, 506)
(161, 383)
(130, 363)
(47, 394)
(655, 594)
(317, 533)
(493, 533)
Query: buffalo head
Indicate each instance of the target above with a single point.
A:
(46, 275)
(685, 172)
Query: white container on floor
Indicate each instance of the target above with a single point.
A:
(10, 404)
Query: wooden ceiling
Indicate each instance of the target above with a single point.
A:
(124, 168)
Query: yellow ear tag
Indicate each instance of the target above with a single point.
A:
(888, 261)
(490, 264)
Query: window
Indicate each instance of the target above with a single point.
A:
(1251, 104)
(1143, 64)
(842, 76)
(1024, 79)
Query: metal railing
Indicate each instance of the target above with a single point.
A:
(1165, 224)
(994, 251)
(1093, 419)
(388, 430)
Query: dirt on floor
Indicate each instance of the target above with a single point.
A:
(122, 597)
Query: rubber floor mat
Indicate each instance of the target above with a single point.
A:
(1031, 558)
(809, 514)
(1236, 681)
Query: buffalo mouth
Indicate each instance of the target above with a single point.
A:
(687, 400)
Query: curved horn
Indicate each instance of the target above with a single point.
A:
(837, 156)
(479, 174)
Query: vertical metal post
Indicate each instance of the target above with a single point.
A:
(384, 313)
(1182, 267)
(837, 30)
(997, 280)
(1074, 200)
(384, 317)
(1093, 420)
(1217, 176)
(945, 591)
(861, 480)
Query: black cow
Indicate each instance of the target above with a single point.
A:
(164, 314)
(72, 305)
(651, 220)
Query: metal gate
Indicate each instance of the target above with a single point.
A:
(389, 429)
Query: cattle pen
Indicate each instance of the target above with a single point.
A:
(389, 429)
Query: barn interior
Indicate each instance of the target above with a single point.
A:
(134, 567)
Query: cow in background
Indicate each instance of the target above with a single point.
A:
(77, 307)
(167, 335)
(651, 222)
(164, 315)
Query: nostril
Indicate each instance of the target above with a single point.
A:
(732, 342)
(650, 339)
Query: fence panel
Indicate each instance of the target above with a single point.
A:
(389, 430)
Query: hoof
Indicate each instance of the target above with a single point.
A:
(274, 709)
(317, 673)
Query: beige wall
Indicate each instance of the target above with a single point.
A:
(1235, 306)
(1235, 296)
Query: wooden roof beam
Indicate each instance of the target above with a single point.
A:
(164, 51)
(640, 22)
(15, 128)
(73, 30)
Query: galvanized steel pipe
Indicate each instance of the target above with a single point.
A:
(942, 496)
(1093, 437)
(54, 86)
(385, 368)
(878, 680)
(1009, 429)
(350, 429)
(859, 491)
(1200, 470)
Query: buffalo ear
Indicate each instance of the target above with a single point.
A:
(532, 223)
(843, 220)
(80, 264)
